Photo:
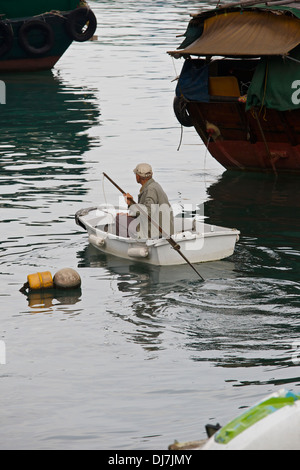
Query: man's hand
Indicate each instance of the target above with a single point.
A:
(128, 199)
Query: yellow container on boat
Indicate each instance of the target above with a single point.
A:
(224, 86)
(40, 281)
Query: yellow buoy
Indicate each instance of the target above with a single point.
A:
(40, 281)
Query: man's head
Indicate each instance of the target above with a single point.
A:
(143, 172)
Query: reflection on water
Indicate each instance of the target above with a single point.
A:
(257, 289)
(43, 301)
(45, 117)
(164, 276)
(44, 141)
(43, 136)
(152, 292)
(266, 211)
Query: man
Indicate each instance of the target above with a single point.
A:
(152, 202)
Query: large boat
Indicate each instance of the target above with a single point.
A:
(240, 84)
(34, 35)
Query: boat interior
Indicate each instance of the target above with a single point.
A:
(229, 79)
(106, 221)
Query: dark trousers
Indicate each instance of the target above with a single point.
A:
(122, 225)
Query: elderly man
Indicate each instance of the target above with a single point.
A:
(153, 202)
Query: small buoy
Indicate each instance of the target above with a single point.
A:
(40, 281)
(67, 278)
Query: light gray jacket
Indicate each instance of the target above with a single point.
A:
(155, 202)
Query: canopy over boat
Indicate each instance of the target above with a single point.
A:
(238, 31)
(271, 33)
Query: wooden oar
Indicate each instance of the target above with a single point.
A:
(165, 235)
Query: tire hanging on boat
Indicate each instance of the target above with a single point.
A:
(181, 112)
(77, 20)
(7, 36)
(36, 25)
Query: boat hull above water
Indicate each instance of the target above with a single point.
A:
(245, 144)
(199, 242)
(35, 35)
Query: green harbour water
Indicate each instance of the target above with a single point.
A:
(143, 355)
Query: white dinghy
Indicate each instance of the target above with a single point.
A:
(200, 242)
(271, 424)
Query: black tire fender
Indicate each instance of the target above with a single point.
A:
(181, 112)
(45, 28)
(6, 32)
(77, 19)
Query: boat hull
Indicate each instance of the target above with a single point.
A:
(268, 141)
(37, 43)
(271, 424)
(207, 243)
(19, 8)
(29, 64)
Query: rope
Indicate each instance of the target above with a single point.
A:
(176, 78)
(181, 135)
(265, 89)
(47, 13)
(206, 151)
(176, 74)
(266, 143)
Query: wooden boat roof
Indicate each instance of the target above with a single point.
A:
(244, 29)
